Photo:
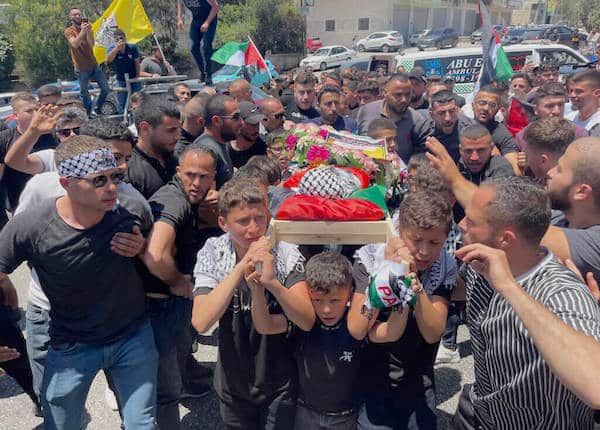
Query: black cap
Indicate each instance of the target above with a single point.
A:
(250, 113)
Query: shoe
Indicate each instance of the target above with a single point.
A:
(195, 390)
(447, 355)
(110, 399)
(195, 370)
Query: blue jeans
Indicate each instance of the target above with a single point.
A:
(37, 324)
(455, 318)
(122, 96)
(196, 37)
(84, 79)
(170, 320)
(131, 363)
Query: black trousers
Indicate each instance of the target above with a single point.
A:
(11, 336)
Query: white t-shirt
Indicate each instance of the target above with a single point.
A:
(589, 123)
(45, 186)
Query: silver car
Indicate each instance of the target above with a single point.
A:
(385, 41)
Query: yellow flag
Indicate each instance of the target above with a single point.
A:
(127, 15)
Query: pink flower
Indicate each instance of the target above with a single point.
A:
(317, 153)
(323, 133)
(290, 142)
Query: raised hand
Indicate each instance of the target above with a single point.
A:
(489, 262)
(44, 119)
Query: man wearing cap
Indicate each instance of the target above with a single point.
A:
(417, 89)
(450, 82)
(99, 324)
(248, 141)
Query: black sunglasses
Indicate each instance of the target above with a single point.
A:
(101, 180)
(66, 132)
(279, 115)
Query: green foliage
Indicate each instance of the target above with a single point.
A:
(7, 59)
(274, 25)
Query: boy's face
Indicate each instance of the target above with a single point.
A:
(390, 137)
(330, 307)
(246, 224)
(424, 245)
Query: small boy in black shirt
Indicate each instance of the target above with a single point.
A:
(327, 356)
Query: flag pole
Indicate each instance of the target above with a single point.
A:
(159, 47)
(261, 57)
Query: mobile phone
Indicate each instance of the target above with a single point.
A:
(85, 20)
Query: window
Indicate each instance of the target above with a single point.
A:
(363, 24)
(330, 25)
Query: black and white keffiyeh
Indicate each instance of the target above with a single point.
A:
(87, 163)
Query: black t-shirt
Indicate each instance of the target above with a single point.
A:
(297, 115)
(502, 138)
(171, 206)
(239, 158)
(328, 361)
(450, 141)
(124, 62)
(224, 163)
(14, 181)
(185, 140)
(401, 369)
(252, 367)
(147, 174)
(96, 296)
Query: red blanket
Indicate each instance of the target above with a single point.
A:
(313, 208)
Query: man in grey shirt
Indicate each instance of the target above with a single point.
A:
(395, 106)
(156, 65)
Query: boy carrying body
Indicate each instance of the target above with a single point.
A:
(327, 356)
(254, 375)
(399, 389)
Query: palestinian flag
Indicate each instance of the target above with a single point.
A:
(496, 66)
(241, 54)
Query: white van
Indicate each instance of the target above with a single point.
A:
(464, 64)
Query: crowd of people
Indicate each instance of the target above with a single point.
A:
(140, 236)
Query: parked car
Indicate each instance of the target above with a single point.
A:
(361, 64)
(439, 38)
(565, 35)
(385, 41)
(328, 56)
(513, 35)
(534, 34)
(476, 35)
(5, 107)
(413, 38)
(313, 43)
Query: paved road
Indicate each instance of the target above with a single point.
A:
(15, 407)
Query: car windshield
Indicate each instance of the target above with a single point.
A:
(321, 52)
(434, 33)
(516, 31)
(395, 34)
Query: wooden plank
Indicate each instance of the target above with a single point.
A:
(338, 232)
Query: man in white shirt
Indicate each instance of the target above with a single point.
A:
(584, 92)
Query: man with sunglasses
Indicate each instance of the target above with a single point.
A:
(274, 115)
(95, 293)
(24, 105)
(222, 121)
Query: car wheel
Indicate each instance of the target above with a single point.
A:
(109, 108)
(323, 65)
(361, 48)
(385, 48)
(349, 58)
(421, 49)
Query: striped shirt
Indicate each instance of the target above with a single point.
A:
(514, 387)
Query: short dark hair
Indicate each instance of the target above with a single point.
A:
(474, 131)
(327, 90)
(551, 89)
(351, 85)
(379, 124)
(519, 202)
(254, 172)
(71, 114)
(549, 135)
(335, 76)
(153, 109)
(490, 89)
(215, 106)
(304, 78)
(586, 167)
(591, 76)
(49, 90)
(107, 129)
(196, 106)
(441, 97)
(327, 272)
(418, 161)
(269, 165)
(400, 77)
(199, 150)
(240, 191)
(368, 86)
(522, 76)
(425, 210)
(119, 33)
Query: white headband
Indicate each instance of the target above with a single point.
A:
(87, 163)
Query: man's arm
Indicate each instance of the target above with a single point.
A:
(571, 355)
(513, 159)
(440, 160)
(112, 53)
(159, 259)
(556, 241)
(18, 156)
(264, 321)
(214, 9)
(391, 330)
(89, 35)
(76, 41)
(11, 299)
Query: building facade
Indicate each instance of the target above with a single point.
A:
(341, 21)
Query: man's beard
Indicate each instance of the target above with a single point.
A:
(227, 133)
(397, 109)
(560, 199)
(416, 99)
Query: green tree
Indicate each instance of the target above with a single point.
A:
(7, 59)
